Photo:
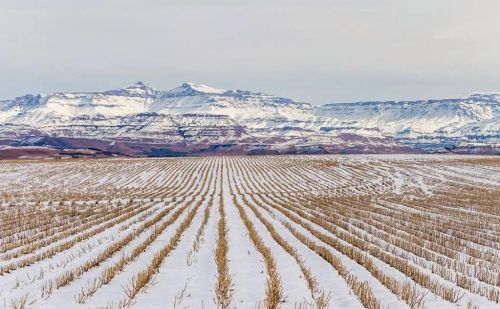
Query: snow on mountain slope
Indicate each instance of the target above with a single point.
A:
(418, 117)
(196, 113)
(247, 108)
(62, 107)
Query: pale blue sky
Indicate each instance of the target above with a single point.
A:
(314, 51)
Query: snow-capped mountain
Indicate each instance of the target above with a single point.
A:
(195, 117)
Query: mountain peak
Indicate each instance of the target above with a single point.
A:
(484, 96)
(140, 86)
(191, 88)
(138, 89)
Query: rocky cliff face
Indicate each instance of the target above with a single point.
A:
(196, 118)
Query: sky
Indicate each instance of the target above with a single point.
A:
(315, 51)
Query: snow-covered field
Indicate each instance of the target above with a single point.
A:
(251, 232)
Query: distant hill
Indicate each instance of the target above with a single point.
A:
(195, 119)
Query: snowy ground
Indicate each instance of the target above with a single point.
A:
(392, 231)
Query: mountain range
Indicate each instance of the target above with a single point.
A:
(195, 119)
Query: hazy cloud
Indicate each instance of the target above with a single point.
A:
(316, 51)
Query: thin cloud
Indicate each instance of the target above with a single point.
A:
(314, 51)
